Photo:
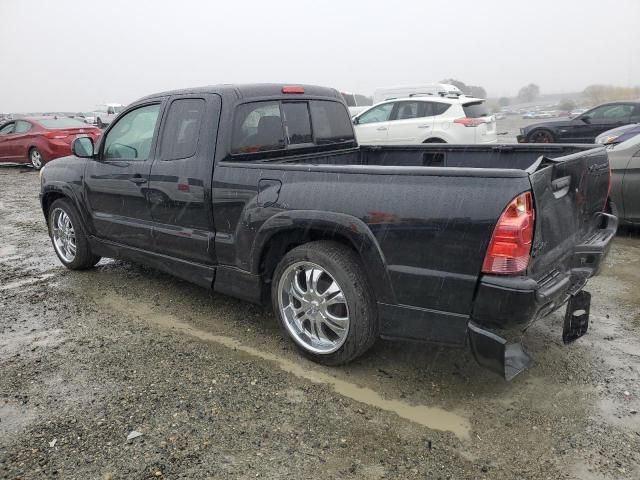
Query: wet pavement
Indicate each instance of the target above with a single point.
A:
(217, 391)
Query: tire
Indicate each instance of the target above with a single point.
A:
(434, 140)
(35, 157)
(307, 323)
(99, 123)
(63, 214)
(541, 136)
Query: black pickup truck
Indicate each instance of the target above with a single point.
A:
(262, 192)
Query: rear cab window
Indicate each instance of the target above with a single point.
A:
(182, 129)
(284, 125)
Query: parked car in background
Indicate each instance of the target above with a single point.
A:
(585, 127)
(435, 89)
(426, 119)
(105, 114)
(37, 141)
(86, 117)
(623, 147)
(270, 199)
(352, 103)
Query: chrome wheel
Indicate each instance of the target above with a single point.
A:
(313, 307)
(36, 159)
(64, 236)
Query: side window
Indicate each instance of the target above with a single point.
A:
(635, 114)
(131, 137)
(22, 126)
(376, 114)
(438, 108)
(182, 129)
(257, 127)
(407, 110)
(611, 112)
(7, 129)
(297, 124)
(331, 122)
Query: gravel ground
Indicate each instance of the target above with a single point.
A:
(216, 391)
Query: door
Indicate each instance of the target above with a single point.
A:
(179, 190)
(411, 123)
(631, 189)
(116, 181)
(372, 126)
(6, 137)
(22, 140)
(589, 125)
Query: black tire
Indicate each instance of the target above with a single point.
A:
(541, 135)
(344, 266)
(99, 123)
(84, 258)
(35, 157)
(434, 140)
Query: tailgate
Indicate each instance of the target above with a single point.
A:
(570, 193)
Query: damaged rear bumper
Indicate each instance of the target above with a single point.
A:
(511, 304)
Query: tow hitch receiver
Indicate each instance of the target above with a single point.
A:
(576, 319)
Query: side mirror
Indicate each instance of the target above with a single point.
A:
(355, 120)
(586, 119)
(83, 147)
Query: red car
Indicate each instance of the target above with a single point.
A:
(37, 141)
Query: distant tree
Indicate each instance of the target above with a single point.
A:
(566, 105)
(476, 91)
(456, 83)
(607, 93)
(529, 93)
(504, 101)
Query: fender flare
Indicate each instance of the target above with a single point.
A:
(354, 230)
(63, 189)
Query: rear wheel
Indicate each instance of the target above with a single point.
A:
(99, 123)
(541, 136)
(321, 295)
(68, 237)
(36, 158)
(434, 140)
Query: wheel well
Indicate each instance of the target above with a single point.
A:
(47, 200)
(434, 140)
(283, 242)
(541, 129)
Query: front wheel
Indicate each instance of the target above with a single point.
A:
(541, 136)
(36, 158)
(321, 296)
(68, 238)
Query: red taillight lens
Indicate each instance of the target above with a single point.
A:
(292, 89)
(510, 245)
(469, 122)
(52, 134)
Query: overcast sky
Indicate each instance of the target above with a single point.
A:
(73, 54)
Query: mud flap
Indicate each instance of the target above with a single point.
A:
(493, 352)
(576, 318)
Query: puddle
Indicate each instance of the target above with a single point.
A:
(7, 250)
(26, 282)
(430, 417)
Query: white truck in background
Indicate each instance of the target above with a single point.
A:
(105, 113)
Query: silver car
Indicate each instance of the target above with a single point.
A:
(623, 145)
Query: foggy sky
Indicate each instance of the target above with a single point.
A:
(74, 54)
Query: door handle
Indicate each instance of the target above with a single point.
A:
(381, 128)
(424, 126)
(138, 180)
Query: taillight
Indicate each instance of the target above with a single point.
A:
(54, 135)
(510, 246)
(469, 122)
(292, 89)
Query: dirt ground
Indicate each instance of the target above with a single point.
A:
(217, 391)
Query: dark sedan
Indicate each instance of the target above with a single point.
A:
(585, 127)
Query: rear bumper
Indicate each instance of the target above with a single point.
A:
(505, 305)
(505, 302)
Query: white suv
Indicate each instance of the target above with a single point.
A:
(426, 119)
